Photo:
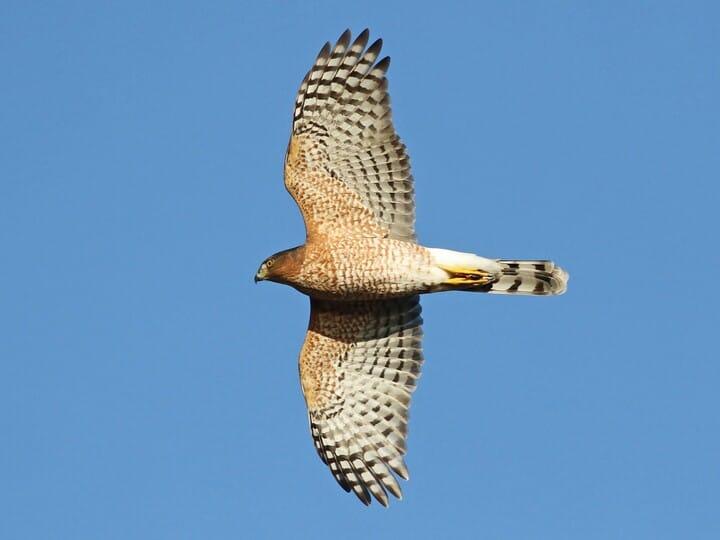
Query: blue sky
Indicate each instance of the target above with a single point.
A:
(148, 389)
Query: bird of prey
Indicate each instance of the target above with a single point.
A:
(363, 270)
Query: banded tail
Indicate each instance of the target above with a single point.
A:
(468, 272)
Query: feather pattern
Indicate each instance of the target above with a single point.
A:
(358, 368)
(343, 129)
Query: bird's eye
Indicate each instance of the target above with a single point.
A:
(269, 263)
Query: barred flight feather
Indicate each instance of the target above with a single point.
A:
(344, 103)
(360, 432)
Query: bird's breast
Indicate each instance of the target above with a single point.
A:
(365, 268)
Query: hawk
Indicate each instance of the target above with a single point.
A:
(363, 270)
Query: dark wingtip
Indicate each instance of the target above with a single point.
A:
(383, 64)
(345, 37)
(365, 498)
(376, 46)
(383, 501)
(325, 51)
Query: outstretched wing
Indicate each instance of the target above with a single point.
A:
(345, 166)
(358, 368)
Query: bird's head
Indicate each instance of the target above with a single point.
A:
(281, 266)
(265, 270)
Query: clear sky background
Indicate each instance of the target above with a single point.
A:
(148, 389)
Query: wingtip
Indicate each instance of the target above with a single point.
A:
(383, 64)
(393, 487)
(325, 51)
(345, 37)
(375, 47)
(363, 495)
(399, 467)
(361, 40)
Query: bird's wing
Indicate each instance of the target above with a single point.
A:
(345, 165)
(358, 368)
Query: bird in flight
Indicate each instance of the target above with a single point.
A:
(363, 270)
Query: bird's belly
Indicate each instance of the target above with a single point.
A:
(370, 270)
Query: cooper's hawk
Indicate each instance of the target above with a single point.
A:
(363, 270)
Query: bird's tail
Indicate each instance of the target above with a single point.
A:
(468, 272)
